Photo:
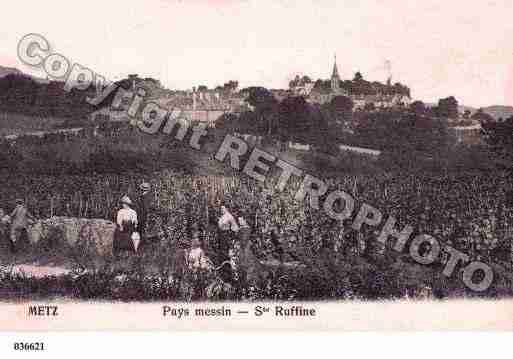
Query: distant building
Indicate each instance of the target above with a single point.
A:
(335, 79)
(322, 94)
(203, 105)
(467, 135)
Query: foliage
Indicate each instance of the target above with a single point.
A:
(300, 81)
(22, 94)
(447, 107)
(114, 149)
(418, 108)
(360, 86)
(482, 116)
(340, 108)
(499, 136)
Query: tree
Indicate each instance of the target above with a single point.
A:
(306, 80)
(404, 135)
(154, 81)
(265, 105)
(299, 81)
(21, 94)
(231, 86)
(295, 82)
(499, 136)
(448, 107)
(294, 117)
(401, 89)
(358, 77)
(226, 122)
(341, 108)
(369, 107)
(322, 85)
(418, 108)
(259, 97)
(248, 123)
(482, 116)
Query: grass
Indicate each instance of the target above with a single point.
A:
(158, 273)
(15, 123)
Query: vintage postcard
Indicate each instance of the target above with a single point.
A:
(256, 165)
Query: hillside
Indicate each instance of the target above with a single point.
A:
(496, 111)
(499, 111)
(4, 71)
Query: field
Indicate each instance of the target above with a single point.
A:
(183, 201)
(85, 176)
(15, 124)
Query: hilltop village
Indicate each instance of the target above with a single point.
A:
(209, 104)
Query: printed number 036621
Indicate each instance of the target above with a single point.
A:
(19, 346)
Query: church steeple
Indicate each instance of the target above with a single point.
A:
(335, 78)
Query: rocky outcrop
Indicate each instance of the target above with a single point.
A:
(94, 234)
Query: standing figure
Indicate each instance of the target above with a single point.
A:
(247, 265)
(5, 222)
(20, 218)
(227, 228)
(195, 258)
(199, 269)
(126, 237)
(276, 241)
(144, 204)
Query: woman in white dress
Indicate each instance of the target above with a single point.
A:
(125, 236)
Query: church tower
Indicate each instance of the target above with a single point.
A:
(335, 78)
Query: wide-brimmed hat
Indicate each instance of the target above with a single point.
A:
(126, 200)
(145, 186)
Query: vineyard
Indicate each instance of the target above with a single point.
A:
(85, 175)
(466, 211)
(15, 123)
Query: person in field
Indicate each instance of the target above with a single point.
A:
(126, 237)
(195, 258)
(20, 219)
(276, 241)
(5, 223)
(227, 229)
(243, 259)
(144, 204)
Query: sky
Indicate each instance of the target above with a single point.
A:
(437, 48)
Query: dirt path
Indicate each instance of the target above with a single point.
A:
(36, 270)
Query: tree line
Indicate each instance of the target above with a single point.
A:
(357, 86)
(22, 94)
(413, 130)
